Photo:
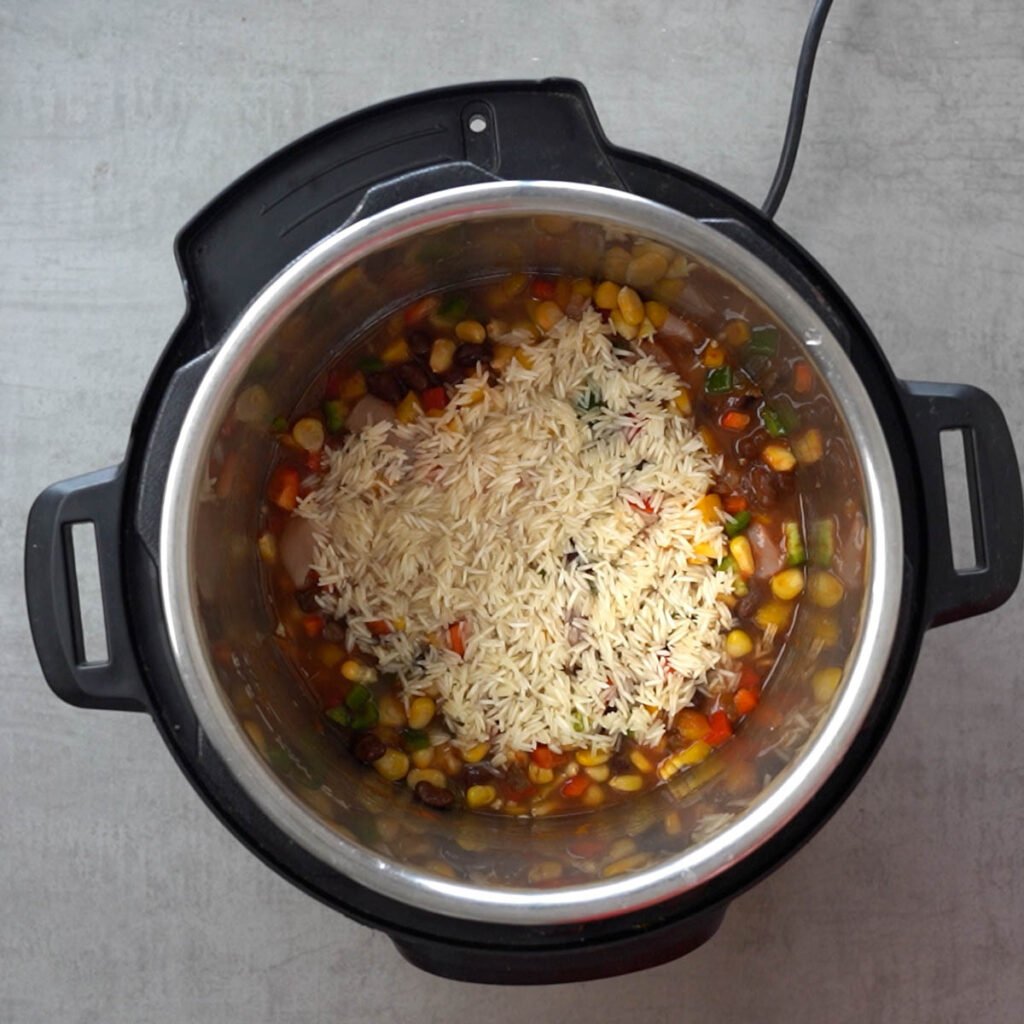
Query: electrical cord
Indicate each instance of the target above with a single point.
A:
(797, 108)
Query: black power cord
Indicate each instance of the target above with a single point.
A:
(798, 106)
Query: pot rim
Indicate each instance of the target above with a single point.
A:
(781, 800)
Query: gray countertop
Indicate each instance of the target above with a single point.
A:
(123, 900)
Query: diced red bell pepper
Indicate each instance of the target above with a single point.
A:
(750, 679)
(379, 627)
(721, 728)
(542, 756)
(420, 310)
(542, 289)
(332, 389)
(312, 625)
(734, 503)
(576, 786)
(736, 421)
(433, 399)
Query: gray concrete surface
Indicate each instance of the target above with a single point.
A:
(122, 901)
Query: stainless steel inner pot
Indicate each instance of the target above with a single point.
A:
(253, 710)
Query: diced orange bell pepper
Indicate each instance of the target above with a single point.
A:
(744, 701)
(283, 490)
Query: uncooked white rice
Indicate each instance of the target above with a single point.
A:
(520, 513)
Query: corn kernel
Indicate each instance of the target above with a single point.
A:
(825, 682)
(709, 506)
(470, 330)
(696, 752)
(668, 291)
(442, 352)
(630, 306)
(808, 447)
(422, 758)
(431, 775)
(773, 613)
(788, 584)
(626, 330)
(540, 776)
(480, 796)
(673, 824)
(657, 313)
(824, 589)
(738, 644)
(590, 758)
(583, 287)
(522, 357)
(705, 549)
(598, 772)
(620, 867)
(546, 314)
(740, 549)
(679, 267)
(682, 404)
(441, 867)
(621, 847)
(641, 762)
(593, 796)
(643, 270)
(781, 459)
(545, 871)
(409, 408)
(308, 434)
(736, 332)
(421, 711)
(392, 765)
(616, 260)
(267, 545)
(475, 753)
(353, 386)
(606, 295)
(514, 284)
(626, 783)
(356, 672)
(396, 352)
(713, 356)
(329, 655)
(502, 356)
(826, 630)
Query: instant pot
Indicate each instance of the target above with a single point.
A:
(287, 268)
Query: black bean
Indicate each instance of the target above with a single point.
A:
(369, 748)
(479, 774)
(413, 376)
(470, 353)
(434, 796)
(385, 385)
(420, 343)
(306, 600)
(749, 446)
(334, 632)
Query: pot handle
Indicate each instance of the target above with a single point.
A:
(51, 590)
(994, 485)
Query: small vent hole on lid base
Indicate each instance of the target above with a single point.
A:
(478, 123)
